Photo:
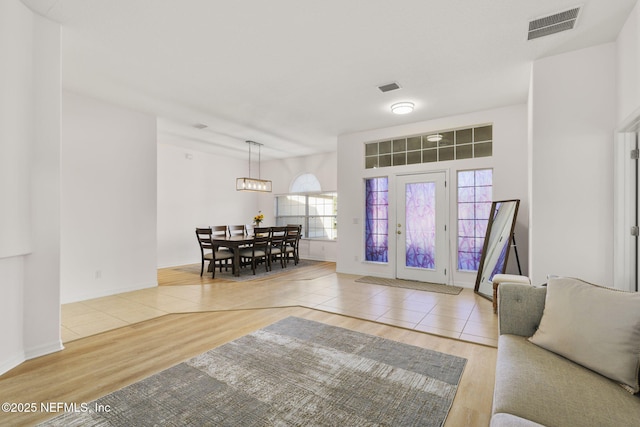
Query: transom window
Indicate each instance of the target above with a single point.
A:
(305, 183)
(436, 146)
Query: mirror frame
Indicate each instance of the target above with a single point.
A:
(492, 214)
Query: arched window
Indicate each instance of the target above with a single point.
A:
(305, 183)
(306, 204)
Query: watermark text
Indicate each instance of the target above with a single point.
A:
(54, 407)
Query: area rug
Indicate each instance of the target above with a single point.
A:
(246, 273)
(295, 372)
(411, 284)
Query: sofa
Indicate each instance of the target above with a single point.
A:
(537, 386)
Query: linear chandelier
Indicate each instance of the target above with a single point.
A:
(253, 184)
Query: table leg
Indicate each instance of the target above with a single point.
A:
(236, 262)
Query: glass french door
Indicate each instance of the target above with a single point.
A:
(421, 231)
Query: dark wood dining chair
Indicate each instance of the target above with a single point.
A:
(237, 230)
(292, 243)
(278, 235)
(216, 255)
(259, 249)
(220, 231)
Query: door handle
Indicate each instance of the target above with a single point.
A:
(399, 232)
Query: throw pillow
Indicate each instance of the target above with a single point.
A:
(596, 327)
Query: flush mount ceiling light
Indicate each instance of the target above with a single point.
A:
(253, 184)
(436, 137)
(402, 107)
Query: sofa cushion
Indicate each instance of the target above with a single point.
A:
(594, 326)
(546, 388)
(508, 420)
(520, 308)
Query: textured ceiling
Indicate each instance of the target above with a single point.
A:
(294, 74)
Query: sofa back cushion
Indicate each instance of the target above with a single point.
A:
(596, 327)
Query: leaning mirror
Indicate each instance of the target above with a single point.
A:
(497, 240)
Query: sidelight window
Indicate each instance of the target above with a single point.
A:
(377, 219)
(475, 189)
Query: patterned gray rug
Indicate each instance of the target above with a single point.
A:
(411, 284)
(295, 372)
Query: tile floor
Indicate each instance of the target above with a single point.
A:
(465, 316)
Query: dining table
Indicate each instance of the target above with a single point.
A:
(233, 243)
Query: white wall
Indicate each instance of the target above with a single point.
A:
(16, 113)
(573, 103)
(196, 189)
(29, 185)
(628, 117)
(283, 173)
(12, 351)
(509, 163)
(628, 66)
(108, 199)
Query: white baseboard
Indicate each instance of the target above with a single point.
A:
(44, 349)
(314, 258)
(12, 362)
(31, 353)
(66, 299)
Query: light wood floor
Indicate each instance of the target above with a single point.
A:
(94, 366)
(114, 341)
(466, 316)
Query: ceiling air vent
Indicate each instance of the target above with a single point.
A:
(389, 87)
(552, 24)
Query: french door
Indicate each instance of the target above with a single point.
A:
(421, 230)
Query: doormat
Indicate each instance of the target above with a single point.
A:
(412, 284)
(295, 372)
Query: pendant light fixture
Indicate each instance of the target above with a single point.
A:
(253, 184)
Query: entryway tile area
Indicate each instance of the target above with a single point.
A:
(465, 316)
